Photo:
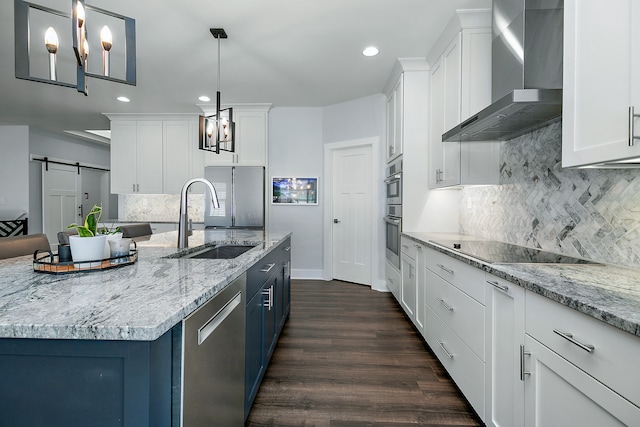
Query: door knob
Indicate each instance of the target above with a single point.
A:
(336, 220)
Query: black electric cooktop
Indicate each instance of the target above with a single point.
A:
(506, 253)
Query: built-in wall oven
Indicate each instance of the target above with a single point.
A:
(393, 217)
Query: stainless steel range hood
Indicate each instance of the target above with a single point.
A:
(526, 72)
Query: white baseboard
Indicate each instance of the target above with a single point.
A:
(307, 274)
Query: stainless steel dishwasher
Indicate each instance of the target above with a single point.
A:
(213, 360)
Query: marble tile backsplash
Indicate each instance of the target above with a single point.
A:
(158, 207)
(591, 213)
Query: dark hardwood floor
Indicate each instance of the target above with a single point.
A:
(349, 357)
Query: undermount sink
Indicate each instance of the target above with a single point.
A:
(220, 252)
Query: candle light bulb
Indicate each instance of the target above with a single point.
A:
(51, 40)
(106, 38)
(80, 14)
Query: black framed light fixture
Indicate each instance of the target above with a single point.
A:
(217, 132)
(91, 28)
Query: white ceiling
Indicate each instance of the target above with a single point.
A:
(284, 52)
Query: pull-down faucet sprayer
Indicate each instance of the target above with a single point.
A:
(183, 223)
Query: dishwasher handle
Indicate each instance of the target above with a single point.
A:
(216, 320)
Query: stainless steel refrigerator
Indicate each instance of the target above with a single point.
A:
(240, 191)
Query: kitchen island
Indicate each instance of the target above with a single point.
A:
(106, 346)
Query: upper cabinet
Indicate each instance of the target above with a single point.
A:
(394, 120)
(601, 88)
(153, 154)
(251, 137)
(460, 86)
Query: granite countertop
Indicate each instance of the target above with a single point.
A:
(134, 302)
(609, 293)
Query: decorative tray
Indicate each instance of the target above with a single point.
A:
(49, 263)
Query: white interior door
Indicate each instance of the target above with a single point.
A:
(61, 199)
(352, 214)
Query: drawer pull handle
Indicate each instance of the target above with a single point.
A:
(444, 304)
(569, 337)
(287, 249)
(405, 246)
(522, 354)
(503, 288)
(445, 268)
(450, 355)
(268, 268)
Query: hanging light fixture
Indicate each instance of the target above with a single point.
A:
(217, 132)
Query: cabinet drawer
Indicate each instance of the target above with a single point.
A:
(408, 247)
(463, 314)
(466, 369)
(469, 280)
(615, 355)
(262, 271)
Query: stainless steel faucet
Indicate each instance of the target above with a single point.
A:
(183, 223)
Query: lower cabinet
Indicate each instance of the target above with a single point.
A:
(504, 326)
(579, 371)
(412, 285)
(455, 323)
(268, 305)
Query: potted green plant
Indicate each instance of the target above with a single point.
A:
(88, 245)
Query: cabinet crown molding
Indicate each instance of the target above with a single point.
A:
(403, 65)
(463, 19)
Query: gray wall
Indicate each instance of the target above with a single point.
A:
(592, 213)
(14, 167)
(296, 148)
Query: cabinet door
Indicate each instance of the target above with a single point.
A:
(436, 124)
(254, 352)
(123, 157)
(557, 393)
(395, 105)
(444, 113)
(408, 287)
(270, 291)
(504, 330)
(149, 157)
(251, 134)
(452, 72)
(600, 81)
(421, 285)
(176, 146)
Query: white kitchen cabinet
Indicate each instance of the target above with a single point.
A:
(153, 154)
(504, 328)
(557, 393)
(395, 107)
(581, 371)
(460, 85)
(136, 157)
(600, 82)
(413, 286)
(393, 279)
(250, 139)
(176, 155)
(455, 322)
(409, 278)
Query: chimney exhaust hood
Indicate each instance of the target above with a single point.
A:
(526, 74)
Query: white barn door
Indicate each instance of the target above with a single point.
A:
(61, 199)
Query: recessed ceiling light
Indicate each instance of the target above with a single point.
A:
(204, 98)
(370, 51)
(123, 99)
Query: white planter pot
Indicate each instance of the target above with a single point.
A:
(87, 249)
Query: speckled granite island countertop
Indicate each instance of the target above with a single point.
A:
(137, 302)
(609, 293)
